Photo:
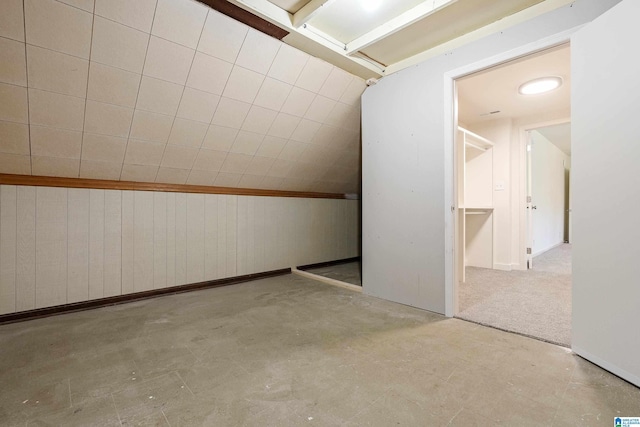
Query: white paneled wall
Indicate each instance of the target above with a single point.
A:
(65, 245)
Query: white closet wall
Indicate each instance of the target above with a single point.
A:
(548, 166)
(64, 245)
(475, 200)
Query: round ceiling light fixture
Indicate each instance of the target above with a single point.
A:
(370, 5)
(541, 85)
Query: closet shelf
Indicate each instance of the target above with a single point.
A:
(478, 210)
(476, 141)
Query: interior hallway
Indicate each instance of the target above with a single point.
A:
(535, 302)
(289, 351)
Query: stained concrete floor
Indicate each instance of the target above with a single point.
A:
(288, 351)
(348, 272)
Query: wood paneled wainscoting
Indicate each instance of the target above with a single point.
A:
(62, 245)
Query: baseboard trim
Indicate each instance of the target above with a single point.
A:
(327, 280)
(547, 249)
(328, 263)
(503, 267)
(121, 299)
(615, 370)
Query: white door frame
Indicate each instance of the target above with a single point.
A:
(524, 230)
(450, 126)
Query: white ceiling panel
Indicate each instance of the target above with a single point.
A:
(167, 102)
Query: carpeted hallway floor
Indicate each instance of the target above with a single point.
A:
(535, 303)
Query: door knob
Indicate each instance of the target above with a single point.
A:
(534, 207)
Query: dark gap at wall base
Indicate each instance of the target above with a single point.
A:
(121, 299)
(239, 14)
(329, 263)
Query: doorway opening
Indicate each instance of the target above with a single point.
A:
(512, 158)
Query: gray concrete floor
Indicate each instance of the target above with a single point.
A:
(289, 351)
(347, 272)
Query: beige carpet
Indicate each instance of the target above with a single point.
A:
(535, 303)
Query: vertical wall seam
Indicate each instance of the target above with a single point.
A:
(89, 245)
(133, 273)
(1, 191)
(184, 88)
(35, 250)
(26, 71)
(66, 191)
(204, 233)
(175, 240)
(139, 86)
(237, 235)
(104, 238)
(66, 285)
(153, 240)
(86, 91)
(121, 238)
(168, 283)
(15, 267)
(186, 238)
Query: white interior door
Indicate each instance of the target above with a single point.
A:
(530, 206)
(606, 190)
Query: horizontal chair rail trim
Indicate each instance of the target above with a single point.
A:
(46, 181)
(121, 299)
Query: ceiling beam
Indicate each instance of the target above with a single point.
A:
(500, 25)
(401, 21)
(283, 19)
(308, 11)
(246, 17)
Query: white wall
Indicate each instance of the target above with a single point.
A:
(510, 169)
(500, 132)
(519, 174)
(548, 164)
(403, 166)
(64, 245)
(605, 156)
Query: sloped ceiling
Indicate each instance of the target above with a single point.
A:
(170, 91)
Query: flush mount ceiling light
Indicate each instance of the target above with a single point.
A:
(541, 85)
(370, 5)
